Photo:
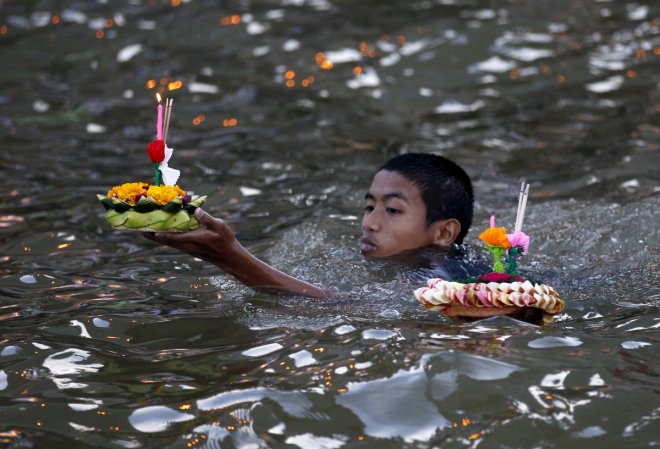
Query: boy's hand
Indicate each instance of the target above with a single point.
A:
(207, 242)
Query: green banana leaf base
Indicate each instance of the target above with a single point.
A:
(148, 216)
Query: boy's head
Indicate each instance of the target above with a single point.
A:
(416, 200)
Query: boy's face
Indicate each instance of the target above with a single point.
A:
(394, 218)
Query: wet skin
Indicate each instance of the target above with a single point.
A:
(394, 218)
(393, 223)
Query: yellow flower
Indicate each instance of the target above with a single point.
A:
(131, 192)
(495, 237)
(128, 192)
(164, 194)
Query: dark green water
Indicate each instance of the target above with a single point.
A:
(111, 341)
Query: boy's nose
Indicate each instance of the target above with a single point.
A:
(370, 223)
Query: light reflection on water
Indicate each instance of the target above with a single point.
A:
(283, 111)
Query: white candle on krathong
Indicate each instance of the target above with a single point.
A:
(159, 122)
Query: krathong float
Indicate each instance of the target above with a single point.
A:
(501, 292)
(159, 207)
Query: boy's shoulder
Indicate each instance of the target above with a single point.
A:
(457, 262)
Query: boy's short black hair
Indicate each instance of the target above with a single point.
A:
(444, 186)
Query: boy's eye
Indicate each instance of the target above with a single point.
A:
(368, 208)
(391, 210)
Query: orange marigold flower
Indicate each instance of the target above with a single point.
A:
(164, 194)
(495, 237)
(128, 192)
(131, 192)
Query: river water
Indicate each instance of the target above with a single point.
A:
(282, 112)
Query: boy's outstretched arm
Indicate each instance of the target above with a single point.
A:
(215, 242)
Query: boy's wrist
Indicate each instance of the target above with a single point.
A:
(227, 253)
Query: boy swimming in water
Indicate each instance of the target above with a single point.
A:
(415, 201)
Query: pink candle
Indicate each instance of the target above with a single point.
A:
(159, 124)
(492, 221)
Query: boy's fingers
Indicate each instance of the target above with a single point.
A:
(201, 215)
(212, 223)
(164, 238)
(151, 236)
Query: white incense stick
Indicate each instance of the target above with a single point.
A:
(168, 114)
(520, 197)
(521, 215)
(166, 119)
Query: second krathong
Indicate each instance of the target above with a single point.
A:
(159, 207)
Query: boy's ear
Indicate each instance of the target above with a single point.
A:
(446, 231)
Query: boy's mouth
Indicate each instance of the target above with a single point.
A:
(367, 246)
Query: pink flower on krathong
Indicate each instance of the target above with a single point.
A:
(520, 239)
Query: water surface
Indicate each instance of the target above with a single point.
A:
(283, 110)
